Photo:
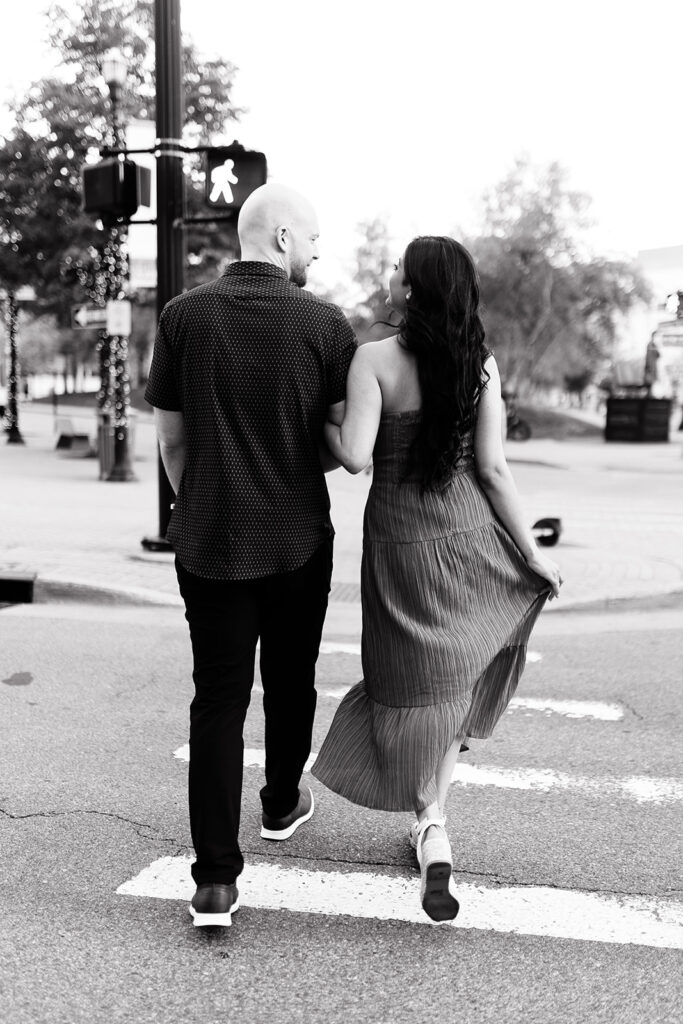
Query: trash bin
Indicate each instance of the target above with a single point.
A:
(655, 419)
(105, 440)
(638, 419)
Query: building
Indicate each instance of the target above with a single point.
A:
(661, 322)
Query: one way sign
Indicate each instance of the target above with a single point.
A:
(88, 317)
(115, 317)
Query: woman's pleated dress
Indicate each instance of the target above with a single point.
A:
(448, 606)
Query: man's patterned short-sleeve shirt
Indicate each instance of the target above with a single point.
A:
(253, 362)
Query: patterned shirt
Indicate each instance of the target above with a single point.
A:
(253, 362)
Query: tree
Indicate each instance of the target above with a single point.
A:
(373, 265)
(549, 307)
(61, 119)
(39, 211)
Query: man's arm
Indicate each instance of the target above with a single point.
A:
(171, 433)
(335, 414)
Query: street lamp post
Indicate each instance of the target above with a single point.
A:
(115, 384)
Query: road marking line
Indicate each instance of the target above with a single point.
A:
(334, 647)
(638, 787)
(569, 708)
(253, 757)
(521, 910)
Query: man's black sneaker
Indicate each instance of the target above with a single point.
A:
(283, 828)
(213, 903)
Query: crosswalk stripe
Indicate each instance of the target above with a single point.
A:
(335, 647)
(548, 706)
(641, 788)
(569, 708)
(521, 910)
(344, 647)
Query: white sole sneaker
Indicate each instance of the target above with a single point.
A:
(214, 920)
(285, 833)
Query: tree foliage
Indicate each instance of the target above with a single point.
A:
(549, 307)
(40, 216)
(48, 241)
(374, 261)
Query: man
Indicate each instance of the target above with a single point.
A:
(243, 373)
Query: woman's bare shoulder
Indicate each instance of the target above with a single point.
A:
(386, 350)
(395, 369)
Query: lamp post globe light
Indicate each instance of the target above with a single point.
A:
(115, 73)
(114, 397)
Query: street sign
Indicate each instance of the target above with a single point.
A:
(119, 318)
(88, 318)
(232, 174)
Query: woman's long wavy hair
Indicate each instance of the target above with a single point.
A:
(442, 328)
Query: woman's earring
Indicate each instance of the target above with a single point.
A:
(409, 296)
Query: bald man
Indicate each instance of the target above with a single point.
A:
(243, 374)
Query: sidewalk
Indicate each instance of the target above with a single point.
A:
(620, 506)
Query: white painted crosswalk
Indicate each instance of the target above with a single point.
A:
(599, 710)
(394, 895)
(521, 910)
(640, 788)
(548, 706)
(569, 708)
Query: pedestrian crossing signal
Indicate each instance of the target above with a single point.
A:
(114, 189)
(232, 174)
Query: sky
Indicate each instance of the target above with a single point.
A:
(410, 111)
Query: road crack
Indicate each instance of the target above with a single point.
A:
(144, 830)
(463, 874)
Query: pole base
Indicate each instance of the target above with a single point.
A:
(157, 544)
(121, 473)
(14, 436)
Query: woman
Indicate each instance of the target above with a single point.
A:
(452, 580)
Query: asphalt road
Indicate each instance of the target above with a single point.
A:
(93, 705)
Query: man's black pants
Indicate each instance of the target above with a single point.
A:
(227, 618)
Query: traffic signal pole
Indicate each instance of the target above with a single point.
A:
(170, 197)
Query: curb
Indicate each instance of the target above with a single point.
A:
(48, 590)
(53, 589)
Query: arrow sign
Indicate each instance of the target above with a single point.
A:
(87, 317)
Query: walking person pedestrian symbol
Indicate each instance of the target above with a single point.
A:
(222, 177)
(232, 173)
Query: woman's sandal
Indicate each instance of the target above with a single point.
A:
(413, 833)
(436, 872)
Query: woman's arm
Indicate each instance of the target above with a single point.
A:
(351, 442)
(497, 482)
(171, 433)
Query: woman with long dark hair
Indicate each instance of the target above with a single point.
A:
(452, 580)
